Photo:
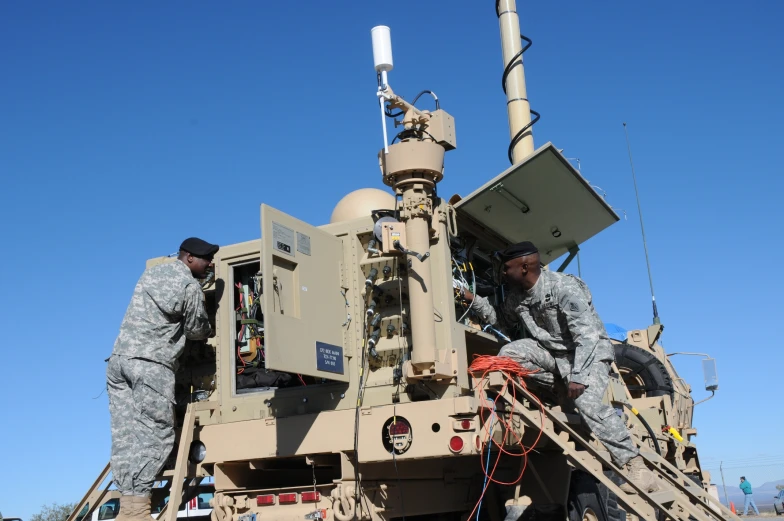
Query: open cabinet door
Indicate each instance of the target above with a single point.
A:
(302, 302)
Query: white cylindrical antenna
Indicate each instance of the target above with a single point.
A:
(382, 49)
(382, 61)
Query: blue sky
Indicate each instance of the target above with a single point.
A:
(125, 128)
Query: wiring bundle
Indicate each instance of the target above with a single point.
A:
(512, 371)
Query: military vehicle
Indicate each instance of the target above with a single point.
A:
(338, 385)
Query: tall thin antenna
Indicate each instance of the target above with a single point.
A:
(642, 227)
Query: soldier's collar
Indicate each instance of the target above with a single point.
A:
(535, 291)
(182, 266)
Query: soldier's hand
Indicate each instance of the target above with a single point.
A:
(575, 390)
(468, 296)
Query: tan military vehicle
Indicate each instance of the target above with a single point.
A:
(338, 383)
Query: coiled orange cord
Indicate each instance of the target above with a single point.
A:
(480, 368)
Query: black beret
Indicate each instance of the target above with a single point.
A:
(198, 247)
(521, 249)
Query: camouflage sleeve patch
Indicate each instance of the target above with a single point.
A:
(574, 306)
(582, 324)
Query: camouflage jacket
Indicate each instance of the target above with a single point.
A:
(558, 312)
(166, 308)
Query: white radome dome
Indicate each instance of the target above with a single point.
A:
(360, 203)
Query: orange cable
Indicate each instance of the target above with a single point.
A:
(485, 364)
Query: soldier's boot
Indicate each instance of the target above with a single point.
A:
(639, 474)
(126, 510)
(140, 509)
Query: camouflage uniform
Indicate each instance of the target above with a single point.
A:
(167, 307)
(569, 340)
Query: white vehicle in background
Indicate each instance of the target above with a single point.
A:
(199, 506)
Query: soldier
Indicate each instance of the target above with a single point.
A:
(569, 340)
(167, 308)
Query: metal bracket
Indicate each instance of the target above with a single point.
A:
(509, 196)
(573, 251)
(402, 248)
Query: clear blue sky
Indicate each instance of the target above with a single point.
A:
(126, 127)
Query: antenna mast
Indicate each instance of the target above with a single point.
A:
(513, 82)
(642, 228)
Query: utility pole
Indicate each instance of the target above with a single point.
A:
(723, 484)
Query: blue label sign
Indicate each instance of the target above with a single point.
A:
(329, 358)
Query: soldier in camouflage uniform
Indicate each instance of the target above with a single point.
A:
(167, 308)
(568, 340)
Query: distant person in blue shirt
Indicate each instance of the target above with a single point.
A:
(745, 486)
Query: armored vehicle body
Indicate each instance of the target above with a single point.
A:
(338, 382)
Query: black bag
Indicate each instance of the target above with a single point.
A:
(263, 378)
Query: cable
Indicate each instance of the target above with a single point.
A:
(520, 134)
(513, 62)
(473, 288)
(516, 60)
(389, 114)
(413, 133)
(363, 360)
(647, 427)
(438, 105)
(487, 467)
(512, 371)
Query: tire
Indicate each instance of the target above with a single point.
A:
(589, 500)
(643, 373)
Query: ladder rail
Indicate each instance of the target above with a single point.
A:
(580, 460)
(187, 495)
(85, 500)
(182, 464)
(690, 488)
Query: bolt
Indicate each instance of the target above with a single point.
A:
(234, 408)
(342, 395)
(304, 400)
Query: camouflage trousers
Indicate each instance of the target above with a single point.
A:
(141, 405)
(601, 418)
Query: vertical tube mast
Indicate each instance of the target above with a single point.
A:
(412, 167)
(517, 106)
